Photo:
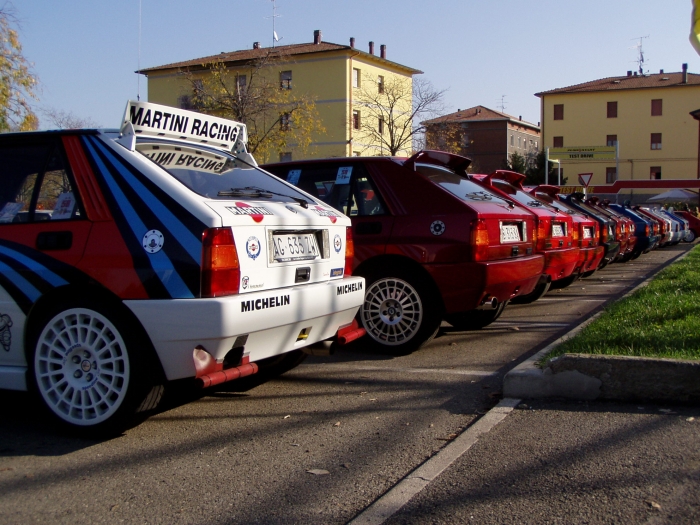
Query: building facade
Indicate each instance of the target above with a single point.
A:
(330, 75)
(646, 116)
(486, 136)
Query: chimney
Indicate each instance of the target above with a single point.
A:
(635, 73)
(371, 48)
(520, 117)
(661, 71)
(317, 36)
(629, 73)
(256, 45)
(685, 73)
(352, 42)
(382, 51)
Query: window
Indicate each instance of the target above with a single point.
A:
(286, 156)
(610, 175)
(558, 111)
(355, 78)
(656, 141)
(612, 109)
(286, 79)
(655, 172)
(36, 186)
(241, 82)
(519, 142)
(355, 119)
(380, 127)
(656, 107)
(558, 142)
(380, 84)
(512, 140)
(285, 120)
(611, 140)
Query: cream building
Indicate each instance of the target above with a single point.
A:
(647, 116)
(332, 75)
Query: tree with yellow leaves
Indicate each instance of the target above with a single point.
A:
(17, 83)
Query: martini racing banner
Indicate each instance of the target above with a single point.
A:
(166, 122)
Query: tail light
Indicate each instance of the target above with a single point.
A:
(604, 233)
(596, 230)
(577, 233)
(544, 233)
(221, 273)
(349, 251)
(480, 240)
(646, 230)
(618, 231)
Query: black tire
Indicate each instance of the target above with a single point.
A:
(689, 236)
(401, 311)
(475, 319)
(565, 282)
(537, 293)
(90, 369)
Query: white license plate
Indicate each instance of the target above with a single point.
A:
(294, 247)
(557, 230)
(510, 233)
(587, 232)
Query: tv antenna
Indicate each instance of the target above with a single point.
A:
(640, 54)
(275, 38)
(503, 104)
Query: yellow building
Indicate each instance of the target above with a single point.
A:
(331, 75)
(647, 116)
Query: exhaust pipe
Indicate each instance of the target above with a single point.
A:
(350, 332)
(489, 303)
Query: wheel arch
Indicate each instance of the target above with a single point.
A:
(41, 308)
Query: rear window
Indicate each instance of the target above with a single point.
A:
(521, 196)
(214, 174)
(465, 189)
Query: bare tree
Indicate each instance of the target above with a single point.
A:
(389, 114)
(17, 83)
(277, 117)
(59, 119)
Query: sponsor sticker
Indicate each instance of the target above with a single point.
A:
(437, 228)
(265, 303)
(343, 176)
(293, 176)
(244, 282)
(337, 243)
(252, 247)
(336, 272)
(153, 241)
(256, 212)
(323, 212)
(5, 334)
(348, 288)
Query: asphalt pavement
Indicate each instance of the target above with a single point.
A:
(331, 440)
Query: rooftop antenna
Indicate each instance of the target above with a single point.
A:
(138, 75)
(640, 55)
(503, 104)
(275, 38)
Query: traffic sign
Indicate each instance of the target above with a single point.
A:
(583, 153)
(585, 178)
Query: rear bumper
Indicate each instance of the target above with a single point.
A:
(265, 323)
(560, 263)
(465, 286)
(589, 259)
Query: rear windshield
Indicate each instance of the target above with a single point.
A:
(521, 196)
(214, 174)
(561, 206)
(465, 189)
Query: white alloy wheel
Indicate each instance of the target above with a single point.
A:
(690, 236)
(392, 312)
(81, 367)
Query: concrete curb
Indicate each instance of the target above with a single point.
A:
(589, 377)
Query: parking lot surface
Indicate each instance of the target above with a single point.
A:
(322, 442)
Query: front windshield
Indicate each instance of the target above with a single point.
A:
(213, 174)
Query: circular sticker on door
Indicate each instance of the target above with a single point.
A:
(437, 228)
(153, 241)
(252, 247)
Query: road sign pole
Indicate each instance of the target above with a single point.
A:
(546, 165)
(617, 168)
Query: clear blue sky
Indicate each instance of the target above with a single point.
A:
(85, 52)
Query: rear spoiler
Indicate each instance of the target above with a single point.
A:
(456, 163)
(547, 189)
(516, 179)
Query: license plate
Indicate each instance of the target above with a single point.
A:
(557, 230)
(587, 233)
(510, 233)
(294, 247)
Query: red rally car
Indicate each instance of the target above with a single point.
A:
(431, 243)
(554, 237)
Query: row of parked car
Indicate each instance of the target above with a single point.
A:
(435, 242)
(161, 253)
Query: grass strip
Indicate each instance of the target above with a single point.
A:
(661, 319)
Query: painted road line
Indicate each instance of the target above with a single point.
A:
(388, 504)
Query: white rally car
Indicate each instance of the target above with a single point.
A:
(158, 252)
